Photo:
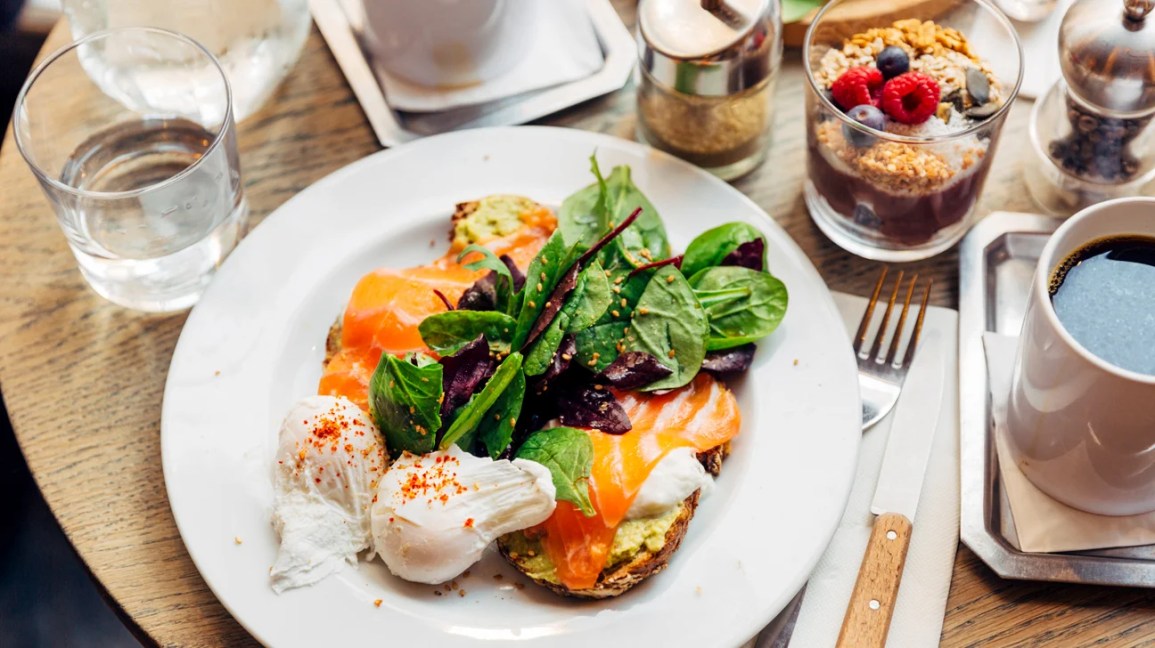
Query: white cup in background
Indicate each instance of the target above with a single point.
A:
(1082, 429)
(440, 43)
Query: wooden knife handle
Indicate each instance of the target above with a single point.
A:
(872, 602)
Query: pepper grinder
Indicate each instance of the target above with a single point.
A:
(1090, 130)
(705, 80)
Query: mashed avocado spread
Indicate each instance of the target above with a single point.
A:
(493, 217)
(632, 537)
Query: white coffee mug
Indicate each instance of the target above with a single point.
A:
(441, 43)
(1080, 428)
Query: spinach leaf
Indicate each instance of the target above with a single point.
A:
(670, 324)
(464, 426)
(646, 239)
(590, 298)
(742, 305)
(588, 214)
(544, 273)
(495, 431)
(606, 336)
(582, 218)
(568, 453)
(711, 247)
(405, 402)
(599, 345)
(447, 333)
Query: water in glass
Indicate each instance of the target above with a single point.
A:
(154, 249)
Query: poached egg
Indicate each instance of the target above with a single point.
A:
(672, 480)
(328, 465)
(436, 513)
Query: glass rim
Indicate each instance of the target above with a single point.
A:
(999, 114)
(18, 112)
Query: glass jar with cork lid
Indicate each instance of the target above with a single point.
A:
(706, 79)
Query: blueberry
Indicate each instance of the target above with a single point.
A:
(892, 61)
(865, 216)
(867, 115)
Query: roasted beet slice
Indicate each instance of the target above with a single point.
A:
(443, 298)
(592, 406)
(514, 271)
(561, 360)
(728, 362)
(481, 296)
(554, 304)
(464, 373)
(747, 255)
(633, 369)
(675, 261)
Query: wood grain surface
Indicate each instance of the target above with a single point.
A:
(82, 379)
(871, 606)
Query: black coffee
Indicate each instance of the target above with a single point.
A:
(1104, 294)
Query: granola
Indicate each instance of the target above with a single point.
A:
(940, 52)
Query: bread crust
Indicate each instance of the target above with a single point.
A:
(617, 579)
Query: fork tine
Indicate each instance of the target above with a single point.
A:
(910, 347)
(901, 321)
(881, 335)
(860, 336)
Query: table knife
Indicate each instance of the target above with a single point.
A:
(896, 496)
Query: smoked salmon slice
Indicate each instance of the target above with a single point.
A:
(387, 305)
(701, 415)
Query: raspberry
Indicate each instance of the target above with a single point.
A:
(910, 98)
(857, 86)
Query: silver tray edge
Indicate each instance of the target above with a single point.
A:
(978, 468)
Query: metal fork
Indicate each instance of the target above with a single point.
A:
(880, 380)
(880, 376)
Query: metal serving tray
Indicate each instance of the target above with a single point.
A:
(339, 24)
(996, 262)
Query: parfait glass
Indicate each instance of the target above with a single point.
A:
(906, 192)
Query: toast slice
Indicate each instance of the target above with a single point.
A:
(627, 571)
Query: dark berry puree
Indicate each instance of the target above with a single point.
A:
(906, 219)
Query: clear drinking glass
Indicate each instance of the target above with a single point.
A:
(142, 169)
(903, 191)
(255, 41)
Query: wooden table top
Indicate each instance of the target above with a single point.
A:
(83, 379)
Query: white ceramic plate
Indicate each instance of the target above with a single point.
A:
(255, 342)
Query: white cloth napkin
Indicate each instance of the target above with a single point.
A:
(1043, 524)
(565, 48)
(918, 613)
